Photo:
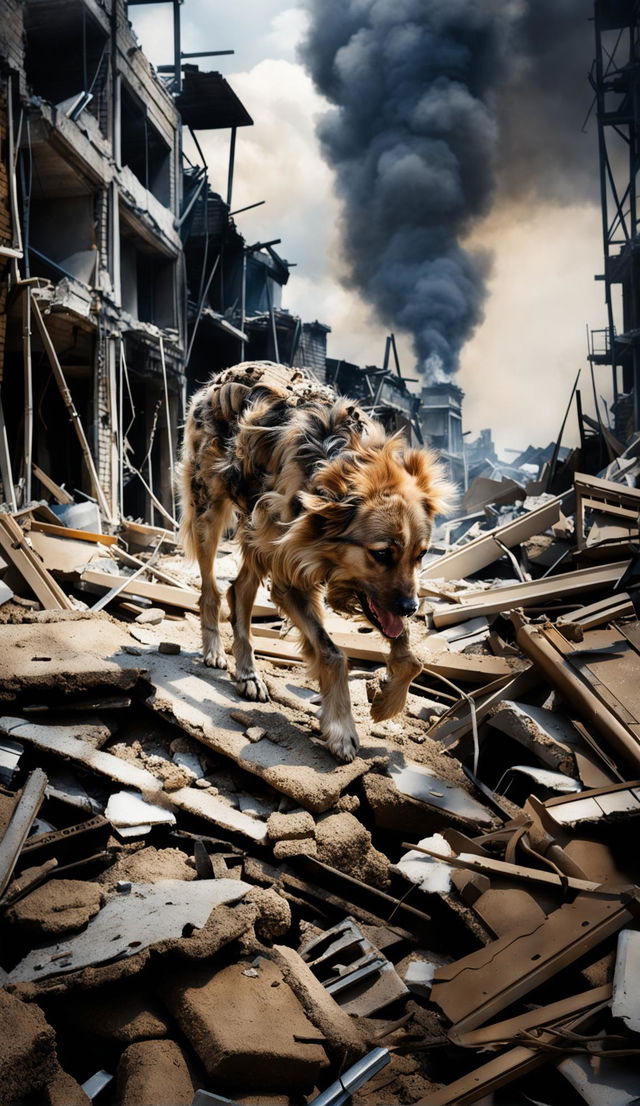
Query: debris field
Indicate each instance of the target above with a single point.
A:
(200, 905)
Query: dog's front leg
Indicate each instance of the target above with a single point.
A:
(402, 667)
(241, 597)
(328, 665)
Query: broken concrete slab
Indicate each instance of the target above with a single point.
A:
(76, 652)
(128, 808)
(286, 759)
(63, 1090)
(154, 1072)
(546, 733)
(148, 915)
(419, 782)
(247, 1026)
(58, 907)
(431, 875)
(60, 741)
(27, 1048)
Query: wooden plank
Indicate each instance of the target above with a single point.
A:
(501, 869)
(30, 567)
(58, 493)
(529, 593)
(468, 668)
(501, 1032)
(135, 562)
(482, 551)
(68, 401)
(604, 610)
(547, 649)
(185, 598)
(20, 823)
(69, 532)
(513, 1064)
(480, 985)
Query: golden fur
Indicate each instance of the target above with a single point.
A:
(327, 506)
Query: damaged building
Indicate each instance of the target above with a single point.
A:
(125, 279)
(199, 905)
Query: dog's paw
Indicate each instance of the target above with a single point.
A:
(389, 700)
(252, 686)
(341, 740)
(215, 658)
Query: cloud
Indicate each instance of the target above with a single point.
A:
(519, 369)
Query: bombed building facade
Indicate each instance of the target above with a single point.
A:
(124, 279)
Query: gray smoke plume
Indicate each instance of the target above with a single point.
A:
(426, 96)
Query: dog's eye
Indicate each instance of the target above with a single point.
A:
(382, 556)
(420, 555)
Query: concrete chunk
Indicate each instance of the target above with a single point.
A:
(154, 1072)
(27, 1049)
(288, 827)
(247, 1027)
(344, 1042)
(59, 906)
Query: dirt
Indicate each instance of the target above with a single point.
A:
(58, 907)
(27, 1048)
(343, 842)
(148, 865)
(154, 1072)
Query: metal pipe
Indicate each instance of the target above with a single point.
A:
(177, 67)
(28, 392)
(232, 160)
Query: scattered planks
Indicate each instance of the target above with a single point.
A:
(169, 594)
(529, 593)
(489, 547)
(15, 545)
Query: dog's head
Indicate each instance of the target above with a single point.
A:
(369, 517)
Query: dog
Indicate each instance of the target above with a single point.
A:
(327, 505)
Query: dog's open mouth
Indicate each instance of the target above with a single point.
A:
(391, 625)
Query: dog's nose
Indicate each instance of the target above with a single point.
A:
(407, 605)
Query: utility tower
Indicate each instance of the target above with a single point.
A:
(615, 77)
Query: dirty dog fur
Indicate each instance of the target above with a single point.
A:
(328, 506)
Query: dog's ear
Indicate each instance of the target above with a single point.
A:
(330, 517)
(438, 492)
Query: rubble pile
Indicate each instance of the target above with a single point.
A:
(199, 905)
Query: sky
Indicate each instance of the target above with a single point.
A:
(518, 368)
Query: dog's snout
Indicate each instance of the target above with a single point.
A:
(407, 605)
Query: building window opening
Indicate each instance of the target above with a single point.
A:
(143, 150)
(67, 59)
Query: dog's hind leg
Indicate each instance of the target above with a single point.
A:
(328, 665)
(241, 597)
(402, 667)
(207, 533)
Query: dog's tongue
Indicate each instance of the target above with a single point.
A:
(392, 625)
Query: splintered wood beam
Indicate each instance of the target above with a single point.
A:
(58, 493)
(69, 404)
(14, 544)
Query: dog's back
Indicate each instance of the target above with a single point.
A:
(240, 425)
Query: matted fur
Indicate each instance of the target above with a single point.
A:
(327, 506)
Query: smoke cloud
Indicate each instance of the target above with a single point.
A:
(439, 106)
